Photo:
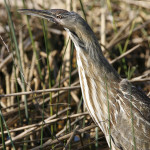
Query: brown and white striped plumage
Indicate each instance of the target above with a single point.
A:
(101, 85)
(93, 84)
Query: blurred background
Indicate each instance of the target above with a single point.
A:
(36, 55)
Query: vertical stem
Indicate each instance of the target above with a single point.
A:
(132, 119)
(49, 69)
(9, 135)
(96, 137)
(83, 10)
(61, 71)
(18, 57)
(18, 100)
(42, 123)
(33, 45)
(2, 132)
(108, 112)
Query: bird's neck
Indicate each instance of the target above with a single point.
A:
(87, 46)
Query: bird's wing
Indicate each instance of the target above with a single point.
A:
(133, 112)
(138, 98)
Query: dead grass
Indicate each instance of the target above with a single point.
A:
(59, 120)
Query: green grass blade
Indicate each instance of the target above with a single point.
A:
(131, 112)
(83, 10)
(33, 44)
(115, 29)
(106, 80)
(1, 116)
(2, 132)
(44, 25)
(18, 56)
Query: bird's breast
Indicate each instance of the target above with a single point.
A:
(93, 91)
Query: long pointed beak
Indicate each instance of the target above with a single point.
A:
(45, 14)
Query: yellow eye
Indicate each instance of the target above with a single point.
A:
(59, 16)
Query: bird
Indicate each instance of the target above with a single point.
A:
(121, 110)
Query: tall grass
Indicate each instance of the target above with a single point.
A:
(109, 123)
(68, 124)
(2, 131)
(121, 50)
(130, 73)
(44, 25)
(11, 26)
(9, 135)
(33, 44)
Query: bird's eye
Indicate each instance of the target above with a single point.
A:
(59, 16)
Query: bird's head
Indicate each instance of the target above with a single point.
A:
(79, 31)
(59, 16)
(74, 24)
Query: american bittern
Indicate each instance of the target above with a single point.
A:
(108, 97)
